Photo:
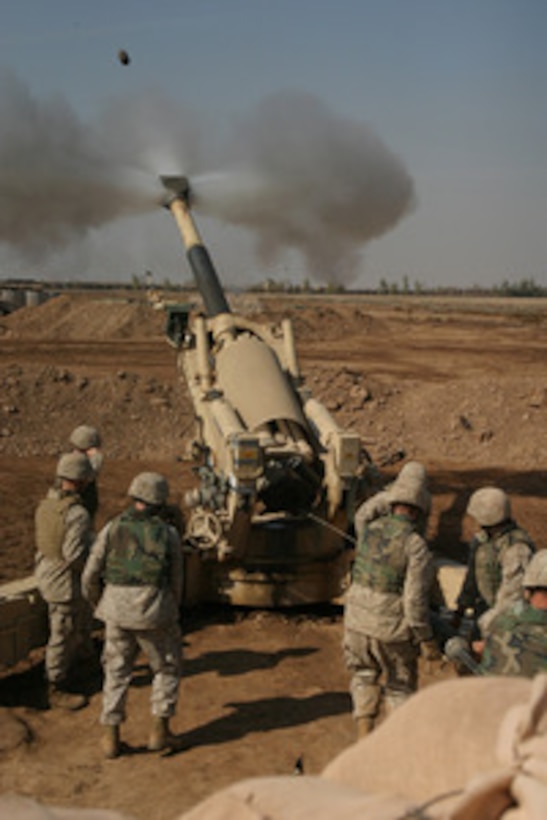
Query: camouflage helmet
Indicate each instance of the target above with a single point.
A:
(489, 506)
(535, 574)
(413, 471)
(152, 488)
(84, 437)
(413, 493)
(74, 467)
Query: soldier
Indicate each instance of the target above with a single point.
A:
(379, 504)
(386, 616)
(63, 539)
(516, 643)
(134, 575)
(86, 439)
(498, 556)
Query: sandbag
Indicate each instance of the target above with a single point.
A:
(17, 807)
(518, 787)
(296, 798)
(436, 742)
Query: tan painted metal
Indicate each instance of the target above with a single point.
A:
(252, 380)
(186, 225)
(256, 428)
(23, 621)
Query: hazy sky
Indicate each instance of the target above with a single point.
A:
(410, 137)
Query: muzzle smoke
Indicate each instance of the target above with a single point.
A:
(304, 178)
(55, 182)
(292, 172)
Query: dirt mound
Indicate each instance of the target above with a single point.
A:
(68, 317)
(459, 385)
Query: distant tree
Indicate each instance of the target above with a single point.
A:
(524, 288)
(335, 287)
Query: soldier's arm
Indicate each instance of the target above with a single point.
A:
(77, 539)
(93, 570)
(514, 562)
(372, 508)
(419, 576)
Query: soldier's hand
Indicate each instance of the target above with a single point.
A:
(478, 648)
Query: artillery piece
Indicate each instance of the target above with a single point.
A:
(278, 478)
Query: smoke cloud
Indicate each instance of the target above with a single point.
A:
(55, 181)
(292, 172)
(302, 177)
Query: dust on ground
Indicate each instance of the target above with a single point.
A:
(459, 384)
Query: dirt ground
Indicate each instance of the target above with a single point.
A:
(459, 384)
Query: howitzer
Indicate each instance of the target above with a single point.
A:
(278, 477)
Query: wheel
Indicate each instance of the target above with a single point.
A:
(204, 530)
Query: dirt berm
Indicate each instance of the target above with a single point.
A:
(460, 384)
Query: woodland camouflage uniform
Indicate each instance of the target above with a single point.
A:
(516, 643)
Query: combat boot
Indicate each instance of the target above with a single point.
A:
(365, 725)
(59, 698)
(110, 742)
(160, 736)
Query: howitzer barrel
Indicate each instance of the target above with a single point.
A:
(205, 275)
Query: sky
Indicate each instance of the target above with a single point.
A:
(349, 141)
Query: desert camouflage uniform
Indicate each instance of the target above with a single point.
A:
(63, 539)
(137, 559)
(516, 643)
(495, 571)
(386, 614)
(374, 507)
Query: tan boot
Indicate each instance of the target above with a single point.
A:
(110, 742)
(59, 698)
(365, 725)
(160, 736)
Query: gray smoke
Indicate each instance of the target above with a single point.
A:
(304, 178)
(56, 182)
(292, 172)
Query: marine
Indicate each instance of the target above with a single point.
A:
(134, 579)
(63, 539)
(516, 643)
(87, 439)
(386, 614)
(498, 556)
